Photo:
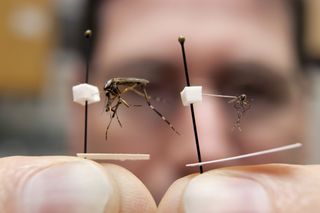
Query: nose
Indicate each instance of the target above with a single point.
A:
(214, 130)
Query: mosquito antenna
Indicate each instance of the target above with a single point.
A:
(87, 35)
(181, 40)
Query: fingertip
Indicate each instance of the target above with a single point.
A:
(70, 184)
(259, 188)
(55, 184)
(75, 186)
(133, 194)
(172, 199)
(216, 192)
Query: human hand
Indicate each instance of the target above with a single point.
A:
(69, 184)
(262, 188)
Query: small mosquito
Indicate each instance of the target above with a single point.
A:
(116, 87)
(241, 105)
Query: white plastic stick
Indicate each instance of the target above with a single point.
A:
(220, 96)
(113, 156)
(278, 149)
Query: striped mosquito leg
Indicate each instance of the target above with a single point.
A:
(109, 126)
(237, 122)
(158, 99)
(128, 89)
(120, 124)
(114, 110)
(158, 113)
(237, 126)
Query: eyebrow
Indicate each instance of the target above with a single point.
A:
(259, 74)
(154, 69)
(252, 70)
(143, 68)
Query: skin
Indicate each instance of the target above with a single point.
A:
(278, 180)
(231, 45)
(231, 49)
(130, 195)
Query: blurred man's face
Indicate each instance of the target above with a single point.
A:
(232, 47)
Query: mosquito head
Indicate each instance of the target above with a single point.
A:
(243, 97)
(107, 84)
(111, 87)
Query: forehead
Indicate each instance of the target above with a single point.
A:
(220, 29)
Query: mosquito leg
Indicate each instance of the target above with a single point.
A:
(140, 93)
(158, 99)
(241, 106)
(129, 105)
(114, 110)
(158, 113)
(237, 125)
(246, 106)
(237, 122)
(124, 102)
(111, 118)
(129, 88)
(133, 89)
(118, 120)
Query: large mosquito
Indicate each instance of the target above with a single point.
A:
(116, 87)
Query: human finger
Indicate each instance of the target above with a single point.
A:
(65, 184)
(261, 188)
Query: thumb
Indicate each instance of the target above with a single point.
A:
(63, 184)
(262, 188)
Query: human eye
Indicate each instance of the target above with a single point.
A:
(267, 91)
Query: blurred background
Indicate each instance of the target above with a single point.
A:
(40, 58)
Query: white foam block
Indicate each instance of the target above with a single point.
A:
(85, 92)
(191, 95)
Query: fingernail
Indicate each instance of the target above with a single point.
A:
(69, 187)
(225, 194)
